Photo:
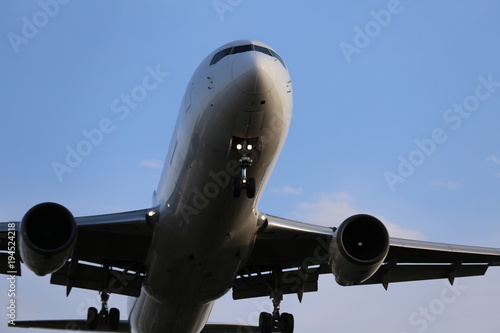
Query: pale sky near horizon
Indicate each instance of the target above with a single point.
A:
(396, 114)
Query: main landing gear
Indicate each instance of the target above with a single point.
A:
(276, 322)
(111, 317)
(244, 147)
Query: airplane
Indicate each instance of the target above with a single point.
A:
(204, 234)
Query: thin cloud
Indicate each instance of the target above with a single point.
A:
(331, 209)
(152, 163)
(493, 159)
(288, 190)
(449, 185)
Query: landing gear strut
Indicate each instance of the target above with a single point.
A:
(244, 148)
(111, 317)
(283, 322)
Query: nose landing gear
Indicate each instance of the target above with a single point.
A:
(244, 147)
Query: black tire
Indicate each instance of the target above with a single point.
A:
(287, 322)
(92, 318)
(114, 319)
(251, 188)
(236, 187)
(265, 322)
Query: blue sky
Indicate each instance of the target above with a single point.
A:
(396, 113)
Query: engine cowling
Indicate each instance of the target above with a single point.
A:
(358, 248)
(48, 234)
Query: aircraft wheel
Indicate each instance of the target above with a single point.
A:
(114, 319)
(236, 187)
(250, 188)
(92, 318)
(287, 323)
(265, 322)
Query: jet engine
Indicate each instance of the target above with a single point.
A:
(48, 235)
(358, 248)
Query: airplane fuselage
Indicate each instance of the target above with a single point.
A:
(205, 233)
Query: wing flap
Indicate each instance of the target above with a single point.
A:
(98, 278)
(404, 273)
(261, 285)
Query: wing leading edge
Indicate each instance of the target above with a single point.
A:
(299, 252)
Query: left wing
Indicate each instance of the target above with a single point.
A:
(109, 252)
(291, 255)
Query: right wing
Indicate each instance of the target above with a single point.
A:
(300, 252)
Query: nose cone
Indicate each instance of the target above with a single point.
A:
(254, 73)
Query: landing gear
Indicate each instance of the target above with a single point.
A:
(269, 322)
(111, 317)
(92, 318)
(247, 184)
(244, 147)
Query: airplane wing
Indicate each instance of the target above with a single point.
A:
(109, 253)
(300, 252)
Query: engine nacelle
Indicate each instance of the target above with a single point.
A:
(358, 248)
(48, 235)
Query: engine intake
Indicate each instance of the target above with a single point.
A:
(358, 248)
(48, 234)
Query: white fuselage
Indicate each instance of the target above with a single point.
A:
(204, 234)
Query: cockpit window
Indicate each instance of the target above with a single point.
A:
(245, 48)
(277, 56)
(242, 48)
(262, 50)
(219, 55)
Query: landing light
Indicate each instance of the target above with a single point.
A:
(239, 146)
(151, 213)
(249, 147)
